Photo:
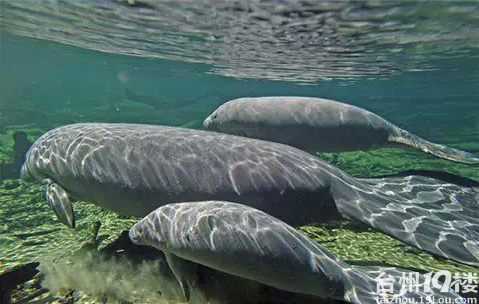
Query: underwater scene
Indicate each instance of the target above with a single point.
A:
(260, 151)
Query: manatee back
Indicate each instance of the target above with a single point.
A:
(134, 169)
(312, 124)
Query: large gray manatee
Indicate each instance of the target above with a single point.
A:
(320, 125)
(134, 169)
(251, 244)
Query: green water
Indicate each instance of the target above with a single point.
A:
(45, 84)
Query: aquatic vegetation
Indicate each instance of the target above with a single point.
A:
(29, 231)
(390, 161)
(360, 245)
(7, 143)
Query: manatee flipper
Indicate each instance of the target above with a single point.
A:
(373, 284)
(438, 217)
(404, 137)
(59, 201)
(184, 271)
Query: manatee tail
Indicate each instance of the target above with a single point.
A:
(403, 137)
(436, 216)
(371, 284)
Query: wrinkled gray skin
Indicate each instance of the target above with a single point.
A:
(251, 244)
(134, 169)
(320, 125)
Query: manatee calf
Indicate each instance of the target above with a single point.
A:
(134, 169)
(320, 125)
(251, 244)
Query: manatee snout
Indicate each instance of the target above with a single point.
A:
(210, 121)
(25, 175)
(143, 234)
(135, 235)
(207, 122)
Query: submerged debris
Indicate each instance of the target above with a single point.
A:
(11, 278)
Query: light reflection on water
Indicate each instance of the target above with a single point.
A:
(277, 40)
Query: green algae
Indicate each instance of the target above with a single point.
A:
(390, 161)
(75, 262)
(358, 246)
(6, 140)
(31, 232)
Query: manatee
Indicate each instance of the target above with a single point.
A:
(133, 169)
(320, 125)
(251, 244)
